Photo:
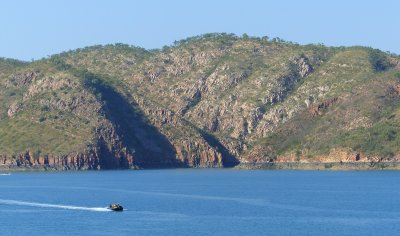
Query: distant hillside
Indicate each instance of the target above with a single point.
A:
(215, 100)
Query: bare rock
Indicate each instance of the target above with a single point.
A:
(13, 109)
(22, 78)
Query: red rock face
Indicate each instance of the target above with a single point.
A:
(80, 161)
(189, 154)
(335, 156)
(198, 154)
(394, 88)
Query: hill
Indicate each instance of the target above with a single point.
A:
(215, 100)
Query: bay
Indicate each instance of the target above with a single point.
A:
(201, 202)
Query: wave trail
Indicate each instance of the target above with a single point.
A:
(36, 204)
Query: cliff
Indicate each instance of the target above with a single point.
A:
(215, 100)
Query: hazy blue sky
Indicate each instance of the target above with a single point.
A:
(35, 29)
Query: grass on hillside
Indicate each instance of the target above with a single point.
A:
(21, 134)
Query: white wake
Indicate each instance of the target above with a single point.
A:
(36, 204)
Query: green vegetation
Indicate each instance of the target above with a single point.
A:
(215, 95)
(381, 139)
(379, 60)
(20, 135)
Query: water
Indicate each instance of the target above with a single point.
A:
(201, 202)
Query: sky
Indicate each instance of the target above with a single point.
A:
(36, 29)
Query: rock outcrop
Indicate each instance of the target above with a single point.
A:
(316, 109)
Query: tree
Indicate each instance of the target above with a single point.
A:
(378, 60)
(265, 38)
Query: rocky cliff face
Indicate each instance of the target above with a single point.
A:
(210, 101)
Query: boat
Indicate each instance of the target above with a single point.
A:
(115, 207)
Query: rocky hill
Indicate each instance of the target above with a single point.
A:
(215, 100)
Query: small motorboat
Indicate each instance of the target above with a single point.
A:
(115, 207)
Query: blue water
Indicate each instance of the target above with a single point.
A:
(201, 202)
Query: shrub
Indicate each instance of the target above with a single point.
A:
(379, 60)
(391, 135)
(45, 108)
(328, 165)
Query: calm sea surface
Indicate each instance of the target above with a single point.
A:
(201, 202)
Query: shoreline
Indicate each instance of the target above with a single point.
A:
(332, 166)
(320, 166)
